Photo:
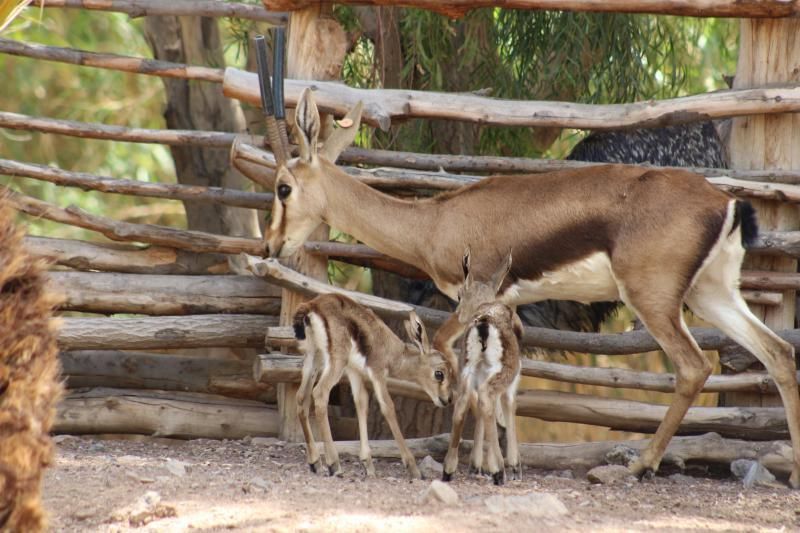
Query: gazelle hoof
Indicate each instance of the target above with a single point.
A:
(369, 468)
(794, 480)
(447, 477)
(498, 478)
(335, 470)
(475, 471)
(314, 467)
(516, 473)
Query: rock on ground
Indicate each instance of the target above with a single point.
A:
(609, 474)
(438, 491)
(431, 468)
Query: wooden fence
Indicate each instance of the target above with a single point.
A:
(189, 290)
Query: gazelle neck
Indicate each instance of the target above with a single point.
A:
(392, 226)
(406, 364)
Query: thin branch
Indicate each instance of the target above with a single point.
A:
(196, 241)
(233, 197)
(138, 65)
(204, 8)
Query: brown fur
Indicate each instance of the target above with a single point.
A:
(29, 386)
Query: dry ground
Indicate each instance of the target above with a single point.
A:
(264, 485)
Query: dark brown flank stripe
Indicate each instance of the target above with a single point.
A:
(569, 245)
(711, 231)
(357, 334)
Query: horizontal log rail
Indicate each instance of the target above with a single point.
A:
(627, 415)
(196, 241)
(282, 368)
(355, 156)
(125, 258)
(686, 8)
(163, 414)
(382, 106)
(197, 8)
(709, 448)
(155, 333)
(157, 371)
(149, 294)
(631, 342)
(106, 184)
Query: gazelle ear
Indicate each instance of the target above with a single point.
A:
(306, 117)
(501, 273)
(417, 334)
(344, 135)
(465, 266)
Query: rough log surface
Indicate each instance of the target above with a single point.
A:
(137, 370)
(233, 331)
(204, 8)
(148, 294)
(707, 448)
(107, 184)
(383, 106)
(164, 414)
(115, 257)
(690, 8)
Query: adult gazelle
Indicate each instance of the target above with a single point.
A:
(653, 239)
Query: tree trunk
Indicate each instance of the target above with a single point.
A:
(200, 106)
(769, 52)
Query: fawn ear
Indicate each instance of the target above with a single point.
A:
(306, 117)
(344, 135)
(500, 274)
(416, 333)
(466, 266)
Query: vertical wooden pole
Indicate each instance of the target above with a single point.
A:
(769, 52)
(315, 50)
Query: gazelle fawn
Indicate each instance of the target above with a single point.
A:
(490, 375)
(654, 239)
(338, 336)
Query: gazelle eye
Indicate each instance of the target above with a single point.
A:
(283, 191)
(439, 375)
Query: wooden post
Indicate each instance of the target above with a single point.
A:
(316, 47)
(769, 52)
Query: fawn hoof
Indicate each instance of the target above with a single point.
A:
(315, 466)
(794, 480)
(369, 468)
(447, 477)
(498, 478)
(648, 474)
(335, 470)
(414, 473)
(475, 471)
(516, 472)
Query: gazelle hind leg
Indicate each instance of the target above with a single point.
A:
(665, 322)
(303, 406)
(476, 460)
(361, 400)
(722, 305)
(459, 414)
(509, 404)
(487, 404)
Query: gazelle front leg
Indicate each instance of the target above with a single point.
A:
(446, 337)
(321, 394)
(387, 408)
(361, 399)
(459, 414)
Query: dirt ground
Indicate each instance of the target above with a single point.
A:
(264, 485)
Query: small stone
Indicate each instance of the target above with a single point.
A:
(176, 468)
(261, 483)
(60, 439)
(266, 441)
(621, 455)
(533, 504)
(431, 468)
(83, 514)
(752, 473)
(440, 492)
(609, 474)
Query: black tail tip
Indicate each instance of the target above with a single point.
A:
(745, 216)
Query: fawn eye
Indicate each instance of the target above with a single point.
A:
(439, 375)
(283, 191)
